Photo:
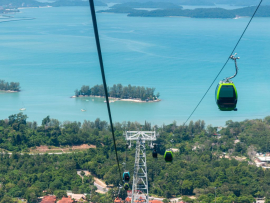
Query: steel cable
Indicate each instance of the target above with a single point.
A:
(225, 63)
(93, 14)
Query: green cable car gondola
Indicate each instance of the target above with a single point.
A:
(168, 156)
(126, 186)
(226, 94)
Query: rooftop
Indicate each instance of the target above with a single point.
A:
(49, 199)
(66, 200)
(264, 158)
(155, 201)
(117, 200)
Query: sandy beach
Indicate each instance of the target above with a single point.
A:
(8, 91)
(113, 99)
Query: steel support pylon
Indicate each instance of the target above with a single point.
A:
(140, 179)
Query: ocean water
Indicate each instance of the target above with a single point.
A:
(55, 53)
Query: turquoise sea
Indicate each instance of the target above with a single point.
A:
(55, 53)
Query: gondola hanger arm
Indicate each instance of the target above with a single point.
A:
(233, 57)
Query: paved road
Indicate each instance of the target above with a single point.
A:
(101, 188)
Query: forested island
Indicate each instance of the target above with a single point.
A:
(120, 92)
(149, 4)
(59, 3)
(208, 158)
(9, 87)
(236, 2)
(264, 11)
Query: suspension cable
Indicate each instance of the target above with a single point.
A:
(225, 62)
(93, 13)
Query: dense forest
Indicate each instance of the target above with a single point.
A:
(12, 86)
(119, 91)
(264, 11)
(34, 176)
(198, 167)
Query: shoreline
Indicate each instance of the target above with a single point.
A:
(113, 99)
(8, 91)
(21, 8)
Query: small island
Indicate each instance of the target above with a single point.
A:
(120, 92)
(9, 87)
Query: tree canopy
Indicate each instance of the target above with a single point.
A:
(198, 168)
(12, 86)
(119, 91)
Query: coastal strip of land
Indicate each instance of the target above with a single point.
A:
(264, 11)
(8, 91)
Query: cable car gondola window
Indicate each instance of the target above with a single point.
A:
(227, 91)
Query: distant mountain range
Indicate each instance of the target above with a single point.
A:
(34, 3)
(149, 4)
(162, 3)
(200, 2)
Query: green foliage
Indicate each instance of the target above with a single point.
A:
(12, 86)
(60, 193)
(46, 121)
(7, 199)
(197, 169)
(17, 134)
(166, 201)
(119, 91)
(28, 176)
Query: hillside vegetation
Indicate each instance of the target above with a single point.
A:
(197, 169)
